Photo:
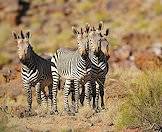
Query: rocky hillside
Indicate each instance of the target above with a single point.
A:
(135, 23)
(135, 45)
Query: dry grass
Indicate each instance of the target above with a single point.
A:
(85, 120)
(125, 91)
(142, 107)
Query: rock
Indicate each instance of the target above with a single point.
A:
(147, 60)
(137, 41)
(9, 11)
(12, 89)
(6, 73)
(156, 48)
(132, 130)
(123, 52)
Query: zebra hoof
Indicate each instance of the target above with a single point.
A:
(97, 110)
(71, 114)
(54, 112)
(29, 113)
(76, 111)
(82, 102)
(103, 107)
(94, 106)
(68, 113)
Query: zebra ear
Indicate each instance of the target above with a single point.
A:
(81, 31)
(100, 25)
(22, 35)
(75, 31)
(107, 32)
(14, 35)
(87, 27)
(28, 35)
(93, 29)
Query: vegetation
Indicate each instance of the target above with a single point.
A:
(143, 106)
(3, 122)
(4, 58)
(133, 99)
(4, 33)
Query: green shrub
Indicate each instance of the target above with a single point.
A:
(114, 42)
(85, 6)
(3, 121)
(4, 58)
(143, 106)
(102, 15)
(5, 32)
(158, 7)
(142, 24)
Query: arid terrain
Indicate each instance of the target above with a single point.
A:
(133, 88)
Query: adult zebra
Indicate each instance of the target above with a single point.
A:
(72, 65)
(35, 70)
(99, 57)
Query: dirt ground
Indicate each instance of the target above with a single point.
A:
(83, 121)
(13, 103)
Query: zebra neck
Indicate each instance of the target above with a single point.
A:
(98, 58)
(84, 62)
(31, 61)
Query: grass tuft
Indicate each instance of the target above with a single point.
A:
(143, 106)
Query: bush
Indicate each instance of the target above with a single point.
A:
(5, 30)
(4, 58)
(143, 106)
(3, 122)
(158, 7)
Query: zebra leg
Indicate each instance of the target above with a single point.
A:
(97, 97)
(50, 97)
(101, 87)
(76, 86)
(73, 101)
(28, 93)
(44, 98)
(93, 84)
(38, 97)
(87, 92)
(72, 96)
(66, 93)
(38, 93)
(54, 93)
(82, 95)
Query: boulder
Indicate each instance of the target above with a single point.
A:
(147, 60)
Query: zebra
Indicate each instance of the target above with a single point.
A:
(99, 57)
(35, 70)
(72, 65)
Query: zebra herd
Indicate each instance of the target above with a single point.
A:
(85, 66)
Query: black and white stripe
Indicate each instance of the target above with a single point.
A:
(36, 72)
(98, 73)
(72, 66)
(99, 58)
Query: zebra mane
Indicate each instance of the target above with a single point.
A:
(32, 58)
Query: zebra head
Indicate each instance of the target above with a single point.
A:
(98, 41)
(23, 45)
(82, 41)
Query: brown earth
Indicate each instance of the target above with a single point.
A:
(134, 27)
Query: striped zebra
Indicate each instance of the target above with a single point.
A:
(72, 65)
(99, 57)
(35, 70)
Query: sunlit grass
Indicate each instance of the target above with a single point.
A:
(4, 58)
(143, 106)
